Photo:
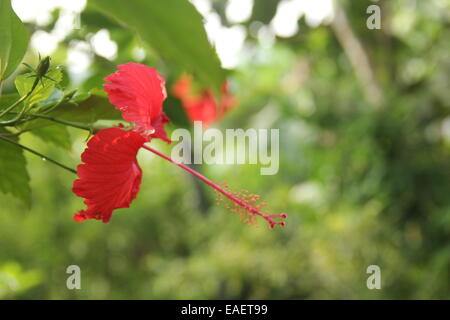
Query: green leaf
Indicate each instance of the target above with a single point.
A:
(8, 99)
(14, 177)
(88, 110)
(174, 29)
(43, 90)
(13, 39)
(56, 134)
(95, 107)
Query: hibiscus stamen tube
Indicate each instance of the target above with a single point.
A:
(253, 210)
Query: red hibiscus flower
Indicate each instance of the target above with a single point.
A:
(202, 106)
(110, 176)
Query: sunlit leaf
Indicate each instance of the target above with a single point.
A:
(43, 90)
(174, 29)
(13, 39)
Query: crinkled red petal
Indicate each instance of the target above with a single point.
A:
(138, 91)
(110, 176)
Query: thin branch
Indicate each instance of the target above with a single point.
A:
(57, 120)
(68, 123)
(8, 109)
(358, 57)
(44, 157)
(11, 134)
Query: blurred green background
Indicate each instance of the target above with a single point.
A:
(364, 175)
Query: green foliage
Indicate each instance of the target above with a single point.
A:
(8, 99)
(44, 88)
(13, 38)
(54, 133)
(13, 279)
(361, 185)
(174, 29)
(87, 108)
(264, 11)
(13, 172)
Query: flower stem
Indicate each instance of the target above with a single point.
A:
(8, 109)
(229, 195)
(57, 120)
(67, 123)
(38, 154)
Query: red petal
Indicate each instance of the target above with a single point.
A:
(110, 176)
(138, 91)
(159, 124)
(202, 106)
(182, 88)
(204, 109)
